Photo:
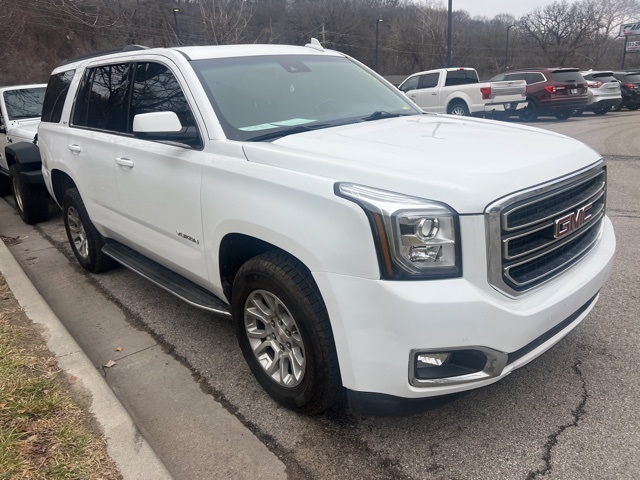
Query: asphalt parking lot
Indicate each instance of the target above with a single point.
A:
(571, 414)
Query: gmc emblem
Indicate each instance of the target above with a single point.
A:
(572, 221)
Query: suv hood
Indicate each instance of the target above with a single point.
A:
(25, 129)
(465, 163)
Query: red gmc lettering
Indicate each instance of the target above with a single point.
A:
(572, 221)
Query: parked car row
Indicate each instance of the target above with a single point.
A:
(559, 92)
(563, 92)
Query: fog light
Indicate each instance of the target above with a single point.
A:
(454, 363)
(432, 359)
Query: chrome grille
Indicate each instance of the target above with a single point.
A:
(535, 235)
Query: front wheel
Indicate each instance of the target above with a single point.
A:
(32, 201)
(86, 242)
(601, 111)
(635, 106)
(284, 333)
(459, 109)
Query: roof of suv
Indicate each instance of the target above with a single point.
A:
(211, 51)
(545, 69)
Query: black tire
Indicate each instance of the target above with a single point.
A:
(32, 201)
(618, 107)
(5, 185)
(563, 115)
(635, 106)
(458, 108)
(86, 242)
(291, 331)
(601, 111)
(529, 113)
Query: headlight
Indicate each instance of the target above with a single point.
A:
(415, 238)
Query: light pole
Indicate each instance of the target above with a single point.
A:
(449, 26)
(378, 22)
(176, 10)
(506, 50)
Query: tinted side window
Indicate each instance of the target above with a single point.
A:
(55, 95)
(461, 77)
(429, 80)
(410, 84)
(533, 78)
(103, 98)
(155, 89)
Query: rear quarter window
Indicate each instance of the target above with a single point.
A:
(55, 95)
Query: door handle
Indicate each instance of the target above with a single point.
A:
(124, 162)
(75, 148)
(434, 94)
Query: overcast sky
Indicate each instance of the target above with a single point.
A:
(491, 8)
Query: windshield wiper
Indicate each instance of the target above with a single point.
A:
(380, 114)
(289, 131)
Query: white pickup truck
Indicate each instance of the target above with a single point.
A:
(458, 91)
(20, 174)
(358, 244)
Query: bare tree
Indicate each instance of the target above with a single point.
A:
(561, 29)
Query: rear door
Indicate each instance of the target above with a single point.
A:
(96, 125)
(427, 93)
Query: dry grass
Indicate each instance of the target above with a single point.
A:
(44, 432)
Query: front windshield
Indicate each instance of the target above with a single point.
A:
(260, 97)
(24, 103)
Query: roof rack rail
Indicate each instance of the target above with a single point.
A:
(126, 48)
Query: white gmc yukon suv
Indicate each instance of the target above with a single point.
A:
(361, 246)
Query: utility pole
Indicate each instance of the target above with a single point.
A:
(175, 21)
(324, 37)
(378, 22)
(506, 50)
(449, 26)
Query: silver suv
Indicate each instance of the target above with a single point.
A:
(604, 92)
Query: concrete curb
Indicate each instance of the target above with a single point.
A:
(125, 444)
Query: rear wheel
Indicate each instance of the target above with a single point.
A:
(635, 106)
(458, 108)
(601, 111)
(618, 107)
(86, 242)
(529, 113)
(32, 201)
(284, 332)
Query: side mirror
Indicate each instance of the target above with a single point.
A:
(164, 126)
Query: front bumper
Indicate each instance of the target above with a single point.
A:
(377, 324)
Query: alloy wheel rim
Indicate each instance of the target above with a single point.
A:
(77, 232)
(275, 338)
(18, 197)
